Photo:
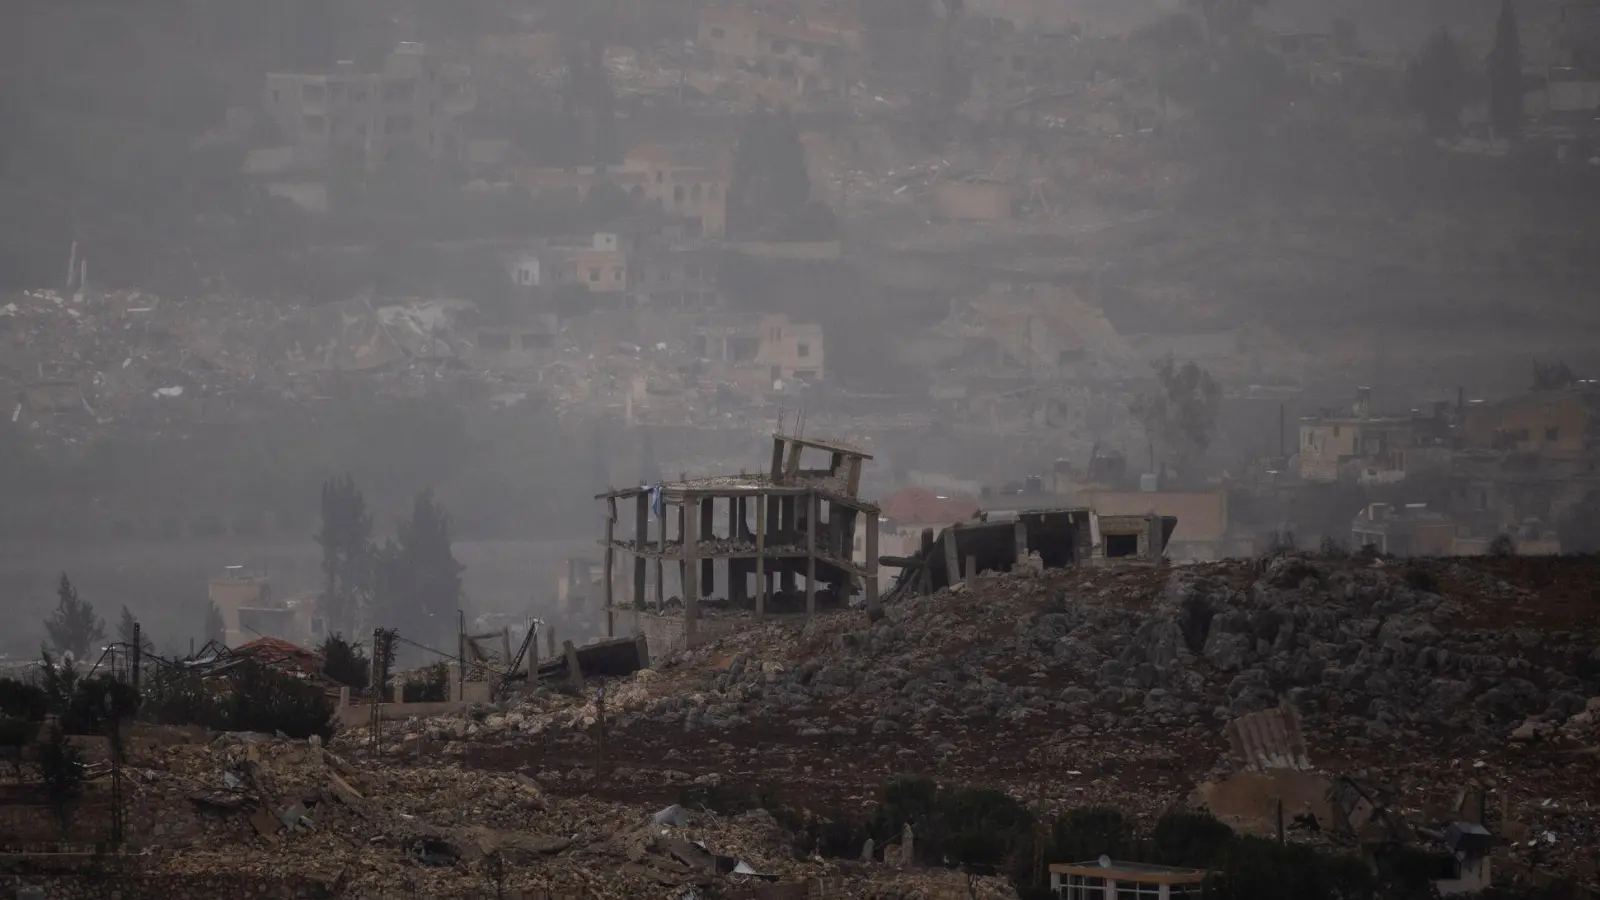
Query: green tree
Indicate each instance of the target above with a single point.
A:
(1436, 84)
(125, 632)
(345, 662)
(347, 553)
(73, 627)
(1180, 415)
(769, 180)
(1183, 838)
(1505, 74)
(419, 577)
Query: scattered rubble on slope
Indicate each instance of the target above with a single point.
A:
(1111, 685)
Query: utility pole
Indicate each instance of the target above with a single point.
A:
(138, 645)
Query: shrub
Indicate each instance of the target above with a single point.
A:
(16, 733)
(345, 662)
(432, 687)
(23, 700)
(251, 697)
(1253, 868)
(1420, 579)
(97, 702)
(1087, 833)
(1502, 545)
(1195, 839)
(61, 767)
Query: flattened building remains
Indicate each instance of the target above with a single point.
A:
(742, 544)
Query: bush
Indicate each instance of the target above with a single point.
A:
(23, 701)
(61, 766)
(1502, 545)
(432, 687)
(1087, 833)
(1253, 868)
(345, 662)
(97, 702)
(251, 697)
(1420, 579)
(1184, 838)
(15, 734)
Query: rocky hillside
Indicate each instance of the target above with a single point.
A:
(1113, 685)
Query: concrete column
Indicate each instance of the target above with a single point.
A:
(762, 502)
(661, 567)
(871, 538)
(777, 460)
(611, 559)
(814, 507)
(691, 569)
(641, 537)
(952, 560)
(1020, 538)
(708, 567)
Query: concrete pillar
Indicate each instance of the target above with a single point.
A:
(691, 569)
(708, 566)
(777, 460)
(641, 537)
(661, 567)
(611, 559)
(814, 504)
(762, 502)
(871, 537)
(1019, 531)
(952, 559)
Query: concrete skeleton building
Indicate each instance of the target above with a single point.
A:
(410, 106)
(780, 525)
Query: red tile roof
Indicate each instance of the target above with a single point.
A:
(277, 652)
(916, 506)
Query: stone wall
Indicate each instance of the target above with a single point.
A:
(665, 634)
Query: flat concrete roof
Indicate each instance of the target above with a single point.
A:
(1146, 873)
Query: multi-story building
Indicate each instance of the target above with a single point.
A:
(758, 351)
(600, 265)
(1557, 424)
(1357, 445)
(681, 184)
(409, 107)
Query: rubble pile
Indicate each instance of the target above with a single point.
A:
(286, 809)
(1104, 686)
(1359, 651)
(1354, 647)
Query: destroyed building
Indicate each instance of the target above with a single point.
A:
(412, 105)
(774, 527)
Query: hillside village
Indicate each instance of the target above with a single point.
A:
(802, 448)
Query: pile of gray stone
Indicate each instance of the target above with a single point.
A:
(1353, 645)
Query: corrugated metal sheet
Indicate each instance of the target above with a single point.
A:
(1267, 740)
